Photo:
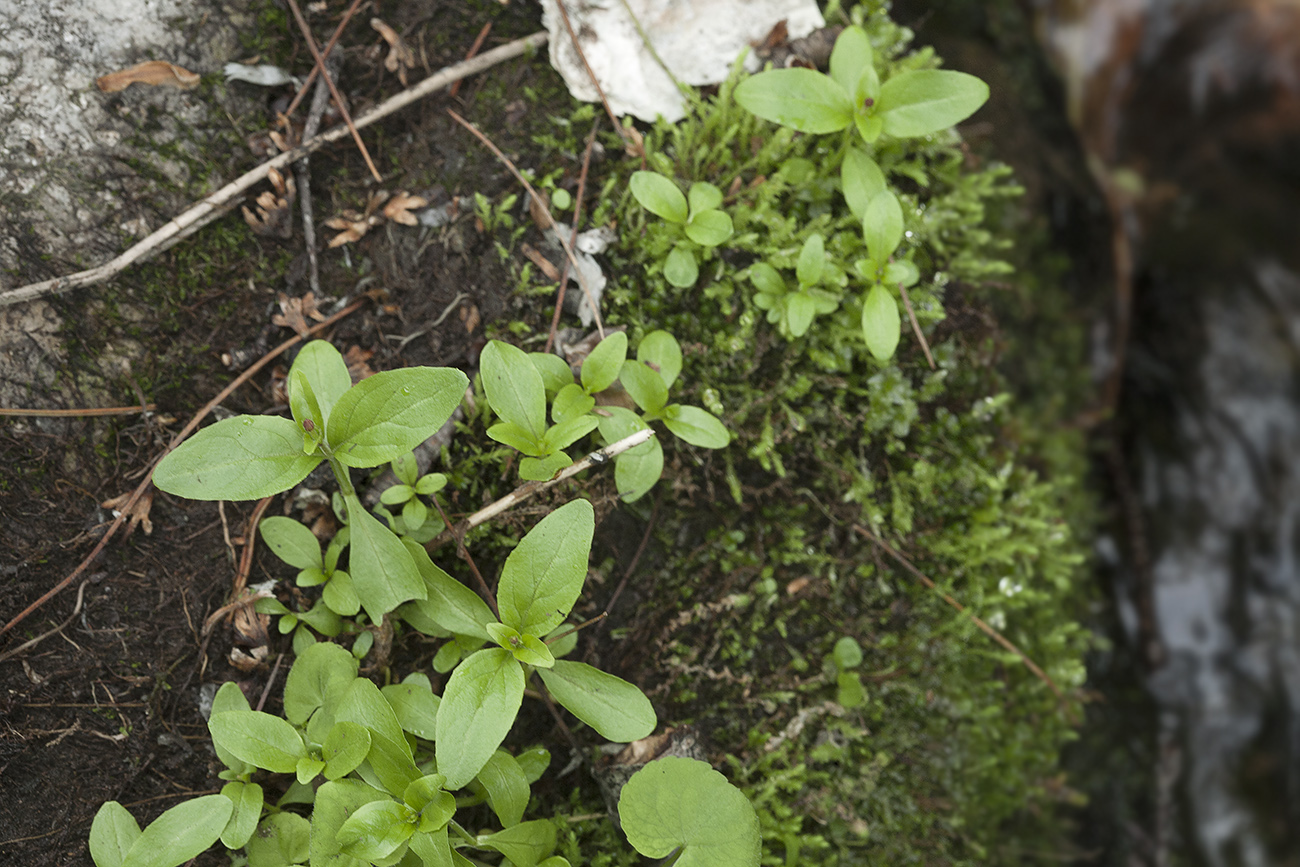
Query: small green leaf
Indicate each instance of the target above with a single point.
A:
(518, 438)
(882, 226)
(800, 98)
(112, 834)
(432, 848)
(616, 709)
(659, 196)
(396, 494)
(514, 388)
(181, 833)
(680, 268)
(306, 411)
(637, 469)
(291, 542)
(555, 371)
(247, 801)
(567, 432)
(572, 402)
(259, 739)
(506, 787)
(524, 844)
(709, 228)
(533, 651)
(683, 803)
(543, 576)
(321, 670)
(902, 272)
(416, 708)
(697, 426)
(450, 604)
(534, 763)
(375, 830)
(703, 196)
(541, 469)
(242, 458)
(388, 764)
(414, 513)
(800, 309)
(661, 351)
(880, 323)
(478, 708)
(644, 386)
(767, 279)
(850, 693)
(600, 367)
(870, 126)
(335, 802)
(308, 769)
(847, 653)
(388, 414)
(231, 698)
(812, 260)
(850, 57)
(382, 571)
(861, 179)
(345, 748)
(340, 597)
(924, 101)
(430, 483)
(421, 792)
(406, 469)
(327, 372)
(281, 839)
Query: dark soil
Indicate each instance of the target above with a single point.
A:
(105, 704)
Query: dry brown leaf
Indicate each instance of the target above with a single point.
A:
(400, 57)
(548, 268)
(139, 514)
(401, 205)
(245, 661)
(274, 209)
(470, 316)
(356, 359)
(295, 312)
(153, 72)
(354, 226)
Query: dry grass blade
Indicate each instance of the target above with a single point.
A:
(916, 326)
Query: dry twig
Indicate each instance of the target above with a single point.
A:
(573, 235)
(916, 326)
(77, 413)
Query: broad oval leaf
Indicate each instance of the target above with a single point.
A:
(812, 260)
(703, 196)
(450, 604)
(683, 803)
(613, 707)
(181, 833)
(478, 708)
(927, 100)
(388, 763)
(555, 371)
(291, 541)
(513, 386)
(242, 458)
(799, 310)
(388, 414)
(659, 195)
(572, 401)
(375, 830)
(882, 226)
(281, 839)
(568, 432)
(416, 708)
(335, 802)
(259, 739)
(697, 426)
(311, 677)
(709, 228)
(525, 844)
(327, 372)
(803, 99)
(850, 57)
(881, 323)
(637, 469)
(661, 351)
(247, 801)
(506, 786)
(543, 575)
(600, 367)
(644, 386)
(345, 748)
(382, 570)
(861, 179)
(680, 268)
(112, 834)
(767, 279)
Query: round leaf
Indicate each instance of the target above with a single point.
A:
(345, 747)
(683, 803)
(259, 739)
(709, 228)
(697, 426)
(375, 830)
(680, 268)
(661, 351)
(291, 542)
(600, 368)
(659, 196)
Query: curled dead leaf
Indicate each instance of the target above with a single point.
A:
(401, 205)
(356, 359)
(139, 513)
(296, 311)
(152, 72)
(274, 209)
(400, 57)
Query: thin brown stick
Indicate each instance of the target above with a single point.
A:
(463, 553)
(78, 413)
(176, 441)
(217, 204)
(543, 207)
(636, 558)
(250, 541)
(266, 690)
(28, 645)
(599, 457)
(916, 326)
(329, 46)
(573, 235)
(984, 627)
(338, 97)
(473, 49)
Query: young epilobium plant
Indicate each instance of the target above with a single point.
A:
(696, 215)
(364, 425)
(794, 311)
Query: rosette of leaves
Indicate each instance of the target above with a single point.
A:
(696, 216)
(364, 425)
(794, 310)
(415, 519)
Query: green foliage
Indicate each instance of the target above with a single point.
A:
(695, 220)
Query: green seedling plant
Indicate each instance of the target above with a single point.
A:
(842, 664)
(416, 520)
(517, 385)
(852, 98)
(696, 220)
(349, 426)
(793, 311)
